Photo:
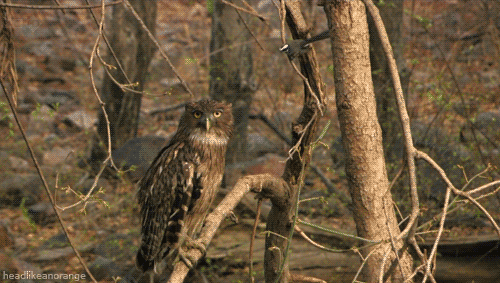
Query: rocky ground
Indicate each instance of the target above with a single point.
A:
(58, 111)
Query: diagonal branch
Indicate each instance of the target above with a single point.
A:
(45, 185)
(265, 184)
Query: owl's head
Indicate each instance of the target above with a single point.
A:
(208, 121)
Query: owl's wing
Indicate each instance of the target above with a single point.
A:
(165, 193)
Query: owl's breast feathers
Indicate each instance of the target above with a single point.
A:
(175, 195)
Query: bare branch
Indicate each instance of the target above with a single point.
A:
(45, 185)
(265, 184)
(60, 7)
(160, 49)
(251, 12)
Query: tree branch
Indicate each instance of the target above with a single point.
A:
(265, 184)
(61, 7)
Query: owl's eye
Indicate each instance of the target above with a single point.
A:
(197, 114)
(217, 114)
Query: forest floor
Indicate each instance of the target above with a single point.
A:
(58, 110)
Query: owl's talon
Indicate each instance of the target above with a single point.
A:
(189, 244)
(186, 259)
(197, 244)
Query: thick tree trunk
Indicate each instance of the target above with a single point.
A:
(362, 138)
(231, 70)
(134, 50)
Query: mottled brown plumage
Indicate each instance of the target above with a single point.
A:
(178, 188)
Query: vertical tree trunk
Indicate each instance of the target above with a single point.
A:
(303, 130)
(231, 70)
(362, 138)
(134, 50)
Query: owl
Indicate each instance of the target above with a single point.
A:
(181, 183)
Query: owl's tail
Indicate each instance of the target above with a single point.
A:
(142, 263)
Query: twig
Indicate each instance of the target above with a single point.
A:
(438, 236)
(466, 195)
(302, 278)
(45, 185)
(362, 264)
(160, 49)
(168, 109)
(94, 88)
(251, 12)
(273, 127)
(61, 7)
(337, 232)
(248, 28)
(312, 242)
(111, 50)
(252, 239)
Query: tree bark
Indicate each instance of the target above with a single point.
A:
(362, 139)
(231, 71)
(304, 129)
(134, 50)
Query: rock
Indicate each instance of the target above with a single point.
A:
(36, 31)
(270, 163)
(4, 159)
(41, 120)
(20, 244)
(104, 268)
(57, 241)
(24, 267)
(54, 254)
(5, 239)
(283, 120)
(60, 63)
(486, 127)
(14, 189)
(42, 213)
(485, 133)
(39, 48)
(139, 152)
(57, 248)
(25, 68)
(80, 119)
(57, 156)
(446, 153)
(56, 97)
(117, 247)
(258, 145)
(7, 264)
(18, 163)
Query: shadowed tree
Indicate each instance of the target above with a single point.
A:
(391, 12)
(231, 70)
(134, 50)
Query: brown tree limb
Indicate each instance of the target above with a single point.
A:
(60, 7)
(265, 184)
(403, 115)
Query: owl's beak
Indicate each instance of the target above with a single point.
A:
(207, 123)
